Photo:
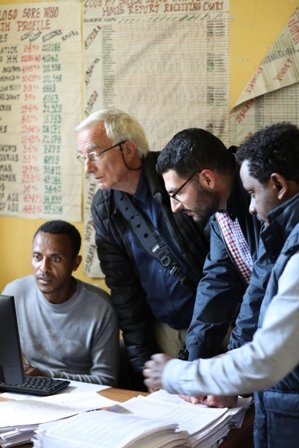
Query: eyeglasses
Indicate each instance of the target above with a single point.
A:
(95, 156)
(175, 194)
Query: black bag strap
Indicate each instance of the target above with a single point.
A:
(148, 237)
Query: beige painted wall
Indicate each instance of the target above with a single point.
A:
(255, 24)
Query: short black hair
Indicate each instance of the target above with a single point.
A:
(193, 149)
(62, 227)
(273, 149)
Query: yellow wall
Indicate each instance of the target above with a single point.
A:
(255, 24)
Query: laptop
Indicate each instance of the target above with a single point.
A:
(12, 375)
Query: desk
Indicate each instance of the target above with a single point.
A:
(237, 438)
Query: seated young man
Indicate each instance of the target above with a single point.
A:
(68, 328)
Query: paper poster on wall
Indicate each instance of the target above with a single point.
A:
(40, 104)
(164, 61)
(272, 94)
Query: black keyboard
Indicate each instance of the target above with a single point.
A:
(36, 385)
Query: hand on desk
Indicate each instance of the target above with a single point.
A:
(213, 401)
(32, 371)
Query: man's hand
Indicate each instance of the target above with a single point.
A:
(32, 371)
(213, 401)
(217, 401)
(153, 370)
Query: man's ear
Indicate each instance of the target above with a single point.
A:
(77, 262)
(207, 178)
(280, 185)
(129, 149)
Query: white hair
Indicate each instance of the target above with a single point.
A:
(119, 126)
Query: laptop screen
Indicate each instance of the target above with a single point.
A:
(11, 365)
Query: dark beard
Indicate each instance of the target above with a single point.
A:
(207, 204)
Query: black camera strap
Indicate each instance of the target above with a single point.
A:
(148, 238)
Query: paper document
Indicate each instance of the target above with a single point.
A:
(41, 410)
(20, 418)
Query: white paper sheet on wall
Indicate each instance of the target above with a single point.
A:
(163, 61)
(40, 103)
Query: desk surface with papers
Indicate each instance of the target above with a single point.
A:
(237, 438)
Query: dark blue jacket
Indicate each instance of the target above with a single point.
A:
(121, 274)
(277, 408)
(221, 290)
(281, 222)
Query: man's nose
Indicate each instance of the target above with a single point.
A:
(252, 208)
(88, 165)
(176, 206)
(44, 265)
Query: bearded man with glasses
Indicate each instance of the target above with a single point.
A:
(153, 298)
(202, 179)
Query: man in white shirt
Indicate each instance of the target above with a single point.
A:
(269, 363)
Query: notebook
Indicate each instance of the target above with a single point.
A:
(12, 375)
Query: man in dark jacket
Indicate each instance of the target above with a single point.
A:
(213, 185)
(151, 265)
(202, 179)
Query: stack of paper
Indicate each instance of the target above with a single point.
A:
(205, 426)
(10, 437)
(110, 430)
(20, 418)
(159, 420)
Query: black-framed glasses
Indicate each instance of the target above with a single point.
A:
(96, 156)
(175, 194)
